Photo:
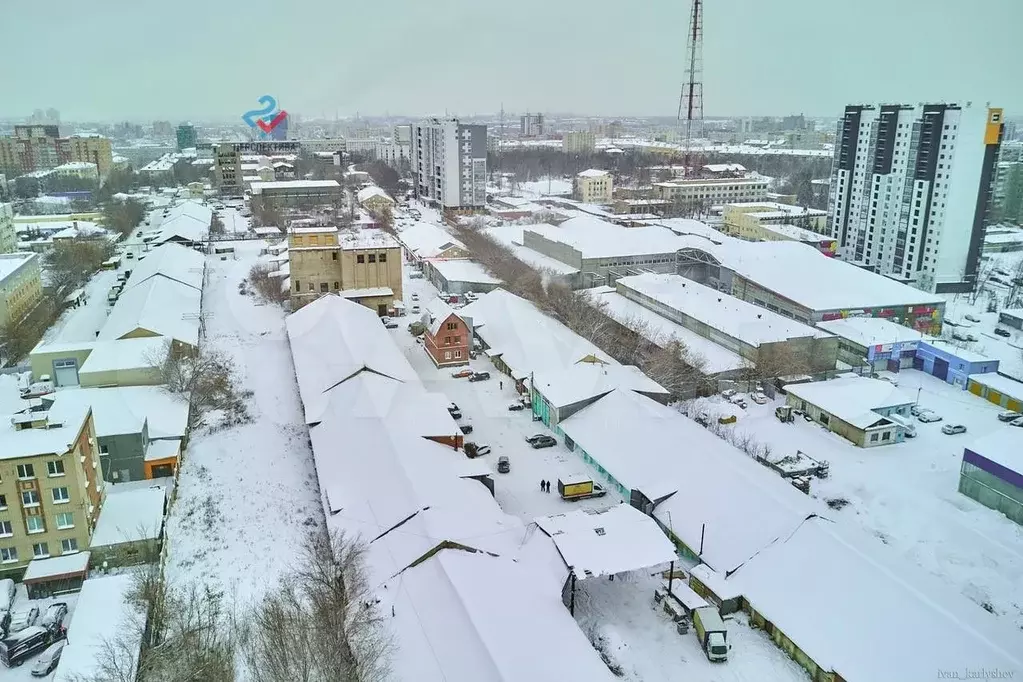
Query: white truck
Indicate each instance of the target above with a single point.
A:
(711, 632)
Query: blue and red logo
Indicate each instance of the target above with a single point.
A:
(271, 121)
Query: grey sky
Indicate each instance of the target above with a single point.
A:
(120, 59)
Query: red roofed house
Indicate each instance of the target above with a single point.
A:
(447, 337)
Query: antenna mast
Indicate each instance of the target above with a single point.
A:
(690, 103)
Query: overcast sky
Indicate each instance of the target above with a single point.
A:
(131, 60)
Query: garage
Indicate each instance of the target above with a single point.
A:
(65, 372)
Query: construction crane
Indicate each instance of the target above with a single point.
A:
(690, 102)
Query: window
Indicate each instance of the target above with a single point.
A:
(26, 471)
(382, 258)
(6, 529)
(873, 438)
(55, 467)
(35, 524)
(65, 521)
(337, 285)
(323, 287)
(312, 287)
(68, 545)
(30, 498)
(104, 450)
(298, 285)
(452, 325)
(40, 550)
(3, 502)
(60, 495)
(333, 255)
(886, 435)
(458, 339)
(372, 258)
(8, 555)
(447, 355)
(360, 258)
(458, 354)
(447, 340)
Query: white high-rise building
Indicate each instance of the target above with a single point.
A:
(911, 188)
(449, 162)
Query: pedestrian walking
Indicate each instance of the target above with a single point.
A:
(500, 385)
(541, 485)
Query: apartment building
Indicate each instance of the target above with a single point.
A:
(449, 163)
(531, 125)
(40, 147)
(21, 286)
(187, 137)
(911, 187)
(227, 168)
(593, 187)
(8, 233)
(578, 142)
(50, 485)
(361, 265)
(712, 191)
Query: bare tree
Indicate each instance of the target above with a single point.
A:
(322, 625)
(208, 379)
(268, 288)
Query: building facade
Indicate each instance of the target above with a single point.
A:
(299, 193)
(579, 142)
(227, 169)
(531, 125)
(8, 233)
(992, 473)
(50, 489)
(40, 147)
(593, 187)
(911, 188)
(712, 191)
(21, 286)
(187, 137)
(449, 164)
(447, 341)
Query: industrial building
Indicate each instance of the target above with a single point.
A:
(992, 472)
(298, 193)
(997, 388)
(856, 408)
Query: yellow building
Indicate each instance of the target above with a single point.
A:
(373, 198)
(50, 485)
(21, 287)
(711, 191)
(92, 149)
(578, 142)
(593, 187)
(8, 233)
(744, 219)
(363, 265)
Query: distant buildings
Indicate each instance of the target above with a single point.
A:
(593, 187)
(911, 188)
(40, 147)
(531, 125)
(707, 192)
(298, 193)
(187, 137)
(578, 142)
(8, 234)
(771, 221)
(227, 169)
(449, 163)
(21, 287)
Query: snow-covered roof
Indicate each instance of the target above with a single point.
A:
(824, 563)
(584, 380)
(795, 232)
(466, 271)
(126, 354)
(774, 208)
(999, 382)
(190, 213)
(511, 236)
(526, 339)
(123, 409)
(332, 339)
(596, 238)
(725, 167)
(370, 192)
(750, 324)
(427, 240)
(101, 612)
(647, 446)
(364, 293)
(871, 331)
(52, 440)
(267, 231)
(366, 238)
(284, 185)
(1003, 446)
(159, 305)
(131, 515)
(593, 173)
(9, 262)
(173, 261)
(438, 311)
(954, 350)
(65, 564)
(595, 543)
(713, 357)
(786, 267)
(852, 399)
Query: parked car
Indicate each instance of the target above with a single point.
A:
(53, 616)
(465, 428)
(1009, 415)
(48, 660)
(462, 373)
(454, 408)
(534, 437)
(416, 309)
(503, 465)
(25, 618)
(415, 297)
(915, 410)
(16, 648)
(952, 429)
(544, 442)
(972, 318)
(480, 376)
(927, 416)
(1004, 333)
(759, 398)
(728, 393)
(516, 407)
(1016, 422)
(470, 296)
(388, 322)
(455, 415)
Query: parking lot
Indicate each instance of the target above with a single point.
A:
(23, 673)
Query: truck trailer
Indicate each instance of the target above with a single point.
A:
(711, 632)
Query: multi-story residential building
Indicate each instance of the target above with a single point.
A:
(40, 147)
(449, 163)
(8, 233)
(91, 149)
(21, 287)
(911, 188)
(593, 187)
(578, 142)
(50, 485)
(361, 265)
(187, 137)
(709, 192)
(227, 168)
(531, 125)
(77, 169)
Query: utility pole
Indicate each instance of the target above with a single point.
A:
(690, 103)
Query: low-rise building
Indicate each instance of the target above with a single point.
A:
(874, 342)
(122, 362)
(782, 232)
(992, 472)
(298, 193)
(744, 218)
(374, 199)
(710, 192)
(447, 337)
(856, 408)
(21, 286)
(951, 364)
(593, 187)
(1012, 317)
(998, 389)
(426, 241)
(558, 394)
(129, 530)
(51, 491)
(460, 276)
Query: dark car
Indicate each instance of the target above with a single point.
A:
(480, 376)
(534, 437)
(54, 615)
(515, 407)
(544, 442)
(455, 414)
(1002, 332)
(466, 428)
(503, 465)
(453, 408)
(16, 648)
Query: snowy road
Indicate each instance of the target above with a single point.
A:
(247, 495)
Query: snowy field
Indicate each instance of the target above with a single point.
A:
(906, 496)
(23, 673)
(247, 495)
(620, 613)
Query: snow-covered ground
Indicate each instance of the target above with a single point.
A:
(906, 494)
(247, 495)
(23, 673)
(81, 324)
(640, 637)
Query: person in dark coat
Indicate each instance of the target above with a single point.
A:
(541, 485)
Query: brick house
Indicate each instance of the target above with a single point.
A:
(447, 337)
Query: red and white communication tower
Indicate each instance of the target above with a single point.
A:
(690, 103)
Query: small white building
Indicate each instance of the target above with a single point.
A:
(856, 408)
(593, 187)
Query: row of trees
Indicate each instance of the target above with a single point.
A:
(122, 216)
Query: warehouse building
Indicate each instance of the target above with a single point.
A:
(461, 276)
(951, 364)
(992, 472)
(998, 389)
(874, 343)
(856, 408)
(298, 193)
